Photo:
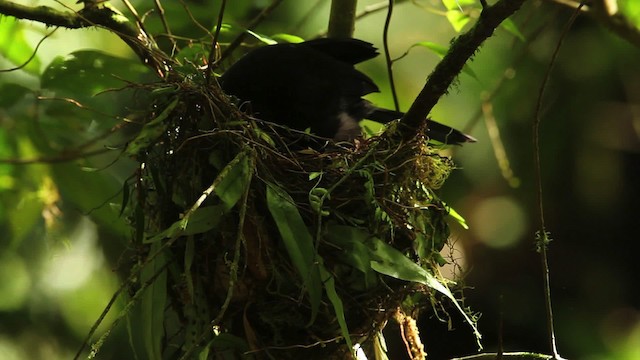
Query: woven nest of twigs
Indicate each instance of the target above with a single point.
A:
(276, 244)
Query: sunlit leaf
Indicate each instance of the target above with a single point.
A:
(438, 49)
(14, 46)
(85, 73)
(391, 262)
(194, 53)
(263, 38)
(287, 38)
(631, 10)
(441, 51)
(512, 28)
(458, 4)
(454, 214)
(457, 19)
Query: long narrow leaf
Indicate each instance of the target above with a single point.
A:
(389, 261)
(234, 179)
(298, 242)
(153, 304)
(330, 287)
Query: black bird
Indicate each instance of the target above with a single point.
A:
(314, 85)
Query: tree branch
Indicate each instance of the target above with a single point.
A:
(607, 14)
(342, 18)
(102, 15)
(462, 49)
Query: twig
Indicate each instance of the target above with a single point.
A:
(214, 42)
(542, 234)
(387, 55)
(252, 25)
(33, 54)
(611, 18)
(165, 24)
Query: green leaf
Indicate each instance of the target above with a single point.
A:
(263, 38)
(91, 193)
(330, 287)
(355, 252)
(84, 74)
(12, 93)
(153, 304)
(298, 242)
(199, 221)
(193, 53)
(441, 51)
(15, 47)
(631, 10)
(391, 262)
(230, 186)
(380, 346)
(457, 19)
(287, 38)
(125, 197)
(234, 180)
(458, 4)
(454, 214)
(204, 219)
(316, 199)
(512, 28)
(152, 130)
(438, 49)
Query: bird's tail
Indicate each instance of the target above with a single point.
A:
(436, 131)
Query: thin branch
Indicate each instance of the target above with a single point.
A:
(214, 42)
(387, 55)
(462, 49)
(609, 17)
(165, 24)
(252, 25)
(543, 239)
(33, 54)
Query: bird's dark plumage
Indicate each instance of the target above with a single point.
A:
(314, 85)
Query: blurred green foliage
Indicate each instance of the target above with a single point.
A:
(60, 226)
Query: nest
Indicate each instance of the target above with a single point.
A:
(277, 244)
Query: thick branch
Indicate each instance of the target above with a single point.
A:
(103, 16)
(462, 49)
(342, 18)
